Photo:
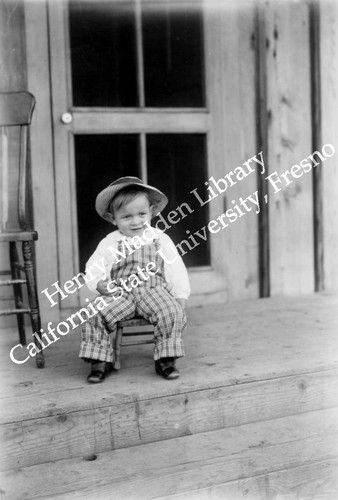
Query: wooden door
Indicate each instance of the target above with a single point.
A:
(130, 94)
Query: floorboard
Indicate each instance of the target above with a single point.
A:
(184, 464)
(225, 346)
(254, 410)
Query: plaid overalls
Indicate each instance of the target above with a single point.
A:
(151, 300)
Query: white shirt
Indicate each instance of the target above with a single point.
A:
(100, 263)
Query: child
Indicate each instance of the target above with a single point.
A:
(139, 272)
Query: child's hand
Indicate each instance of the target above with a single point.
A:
(182, 302)
(101, 287)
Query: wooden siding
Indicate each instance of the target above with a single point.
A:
(289, 241)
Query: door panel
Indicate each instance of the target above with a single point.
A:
(178, 38)
(103, 54)
(99, 158)
(170, 160)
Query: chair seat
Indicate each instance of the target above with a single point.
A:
(18, 236)
(133, 322)
(135, 326)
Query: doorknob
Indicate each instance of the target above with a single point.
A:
(67, 118)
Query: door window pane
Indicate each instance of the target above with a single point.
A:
(177, 165)
(106, 63)
(173, 56)
(100, 159)
(103, 53)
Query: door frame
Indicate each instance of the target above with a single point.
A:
(205, 280)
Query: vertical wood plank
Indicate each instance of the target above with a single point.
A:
(288, 95)
(213, 40)
(329, 105)
(262, 145)
(42, 151)
(233, 139)
(63, 141)
(245, 230)
(12, 47)
(317, 174)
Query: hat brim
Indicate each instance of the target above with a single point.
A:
(104, 198)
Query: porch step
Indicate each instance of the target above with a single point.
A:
(289, 457)
(117, 422)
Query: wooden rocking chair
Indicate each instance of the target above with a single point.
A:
(16, 110)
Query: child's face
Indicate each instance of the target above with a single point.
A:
(131, 218)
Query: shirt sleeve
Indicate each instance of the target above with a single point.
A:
(99, 264)
(176, 273)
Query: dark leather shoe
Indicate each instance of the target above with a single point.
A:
(98, 372)
(166, 367)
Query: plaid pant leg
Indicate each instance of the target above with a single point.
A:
(169, 319)
(95, 335)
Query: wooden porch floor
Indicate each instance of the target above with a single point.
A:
(246, 363)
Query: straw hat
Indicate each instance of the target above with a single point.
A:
(104, 198)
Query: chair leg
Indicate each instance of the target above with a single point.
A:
(117, 347)
(18, 296)
(33, 298)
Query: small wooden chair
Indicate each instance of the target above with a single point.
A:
(131, 328)
(16, 109)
